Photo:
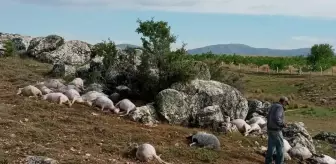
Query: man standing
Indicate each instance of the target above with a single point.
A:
(275, 124)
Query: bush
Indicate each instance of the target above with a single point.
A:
(9, 48)
(224, 75)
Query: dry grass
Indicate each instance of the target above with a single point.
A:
(34, 127)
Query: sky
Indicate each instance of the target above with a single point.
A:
(284, 24)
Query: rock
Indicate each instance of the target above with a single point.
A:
(115, 97)
(298, 136)
(209, 116)
(73, 52)
(21, 42)
(183, 102)
(144, 114)
(326, 136)
(39, 46)
(257, 108)
(61, 70)
(321, 159)
(300, 152)
(94, 87)
(40, 160)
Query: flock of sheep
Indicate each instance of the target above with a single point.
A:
(54, 90)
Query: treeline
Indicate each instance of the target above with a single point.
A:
(305, 62)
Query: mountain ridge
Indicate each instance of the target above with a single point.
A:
(240, 49)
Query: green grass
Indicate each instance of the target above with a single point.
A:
(316, 112)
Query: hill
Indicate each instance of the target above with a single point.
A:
(248, 50)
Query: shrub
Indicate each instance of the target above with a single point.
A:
(9, 48)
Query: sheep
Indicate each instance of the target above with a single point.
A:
(254, 127)
(88, 97)
(52, 83)
(258, 120)
(73, 95)
(287, 146)
(125, 105)
(58, 97)
(104, 102)
(241, 125)
(146, 152)
(300, 152)
(65, 88)
(43, 89)
(204, 139)
(30, 91)
(78, 82)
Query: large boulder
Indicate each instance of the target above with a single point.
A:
(61, 70)
(206, 100)
(145, 114)
(40, 46)
(297, 136)
(73, 52)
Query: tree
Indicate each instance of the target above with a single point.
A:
(158, 59)
(9, 47)
(319, 56)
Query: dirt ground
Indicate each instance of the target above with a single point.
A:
(77, 135)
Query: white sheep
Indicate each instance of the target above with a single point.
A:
(30, 91)
(126, 105)
(78, 82)
(105, 103)
(65, 88)
(58, 97)
(254, 127)
(300, 152)
(287, 146)
(241, 125)
(73, 96)
(52, 83)
(146, 152)
(45, 90)
(91, 96)
(258, 120)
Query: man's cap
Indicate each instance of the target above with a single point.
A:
(284, 98)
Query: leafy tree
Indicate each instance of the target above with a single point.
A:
(158, 60)
(10, 49)
(319, 56)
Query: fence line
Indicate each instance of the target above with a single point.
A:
(290, 71)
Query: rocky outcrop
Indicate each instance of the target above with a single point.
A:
(326, 136)
(40, 160)
(297, 136)
(21, 42)
(200, 100)
(40, 46)
(257, 108)
(145, 114)
(73, 52)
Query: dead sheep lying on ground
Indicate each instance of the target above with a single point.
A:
(90, 96)
(78, 82)
(73, 95)
(126, 105)
(205, 140)
(57, 97)
(30, 91)
(105, 103)
(146, 152)
(242, 126)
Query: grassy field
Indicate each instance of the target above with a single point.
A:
(76, 135)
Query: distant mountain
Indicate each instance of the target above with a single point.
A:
(123, 46)
(241, 49)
